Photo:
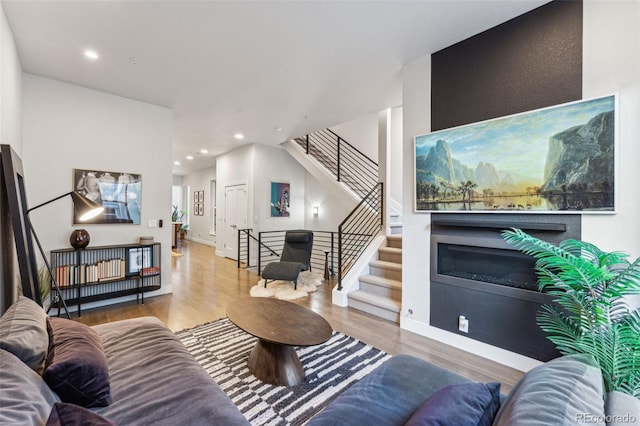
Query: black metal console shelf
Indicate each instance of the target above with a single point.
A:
(105, 272)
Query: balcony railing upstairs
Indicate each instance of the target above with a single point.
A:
(344, 161)
(358, 229)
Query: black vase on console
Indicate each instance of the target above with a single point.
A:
(79, 239)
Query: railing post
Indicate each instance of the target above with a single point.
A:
(338, 166)
(381, 195)
(340, 258)
(238, 255)
(259, 252)
(248, 249)
(333, 270)
(307, 147)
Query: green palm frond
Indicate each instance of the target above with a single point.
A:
(590, 315)
(626, 281)
(559, 263)
(563, 331)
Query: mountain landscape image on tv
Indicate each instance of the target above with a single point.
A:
(559, 158)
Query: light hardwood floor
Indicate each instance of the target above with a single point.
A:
(203, 285)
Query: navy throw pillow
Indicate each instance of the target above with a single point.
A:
(64, 414)
(77, 368)
(465, 404)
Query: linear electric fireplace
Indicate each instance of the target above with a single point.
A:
(475, 274)
(486, 264)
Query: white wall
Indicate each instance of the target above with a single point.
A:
(200, 226)
(362, 133)
(10, 88)
(395, 151)
(67, 127)
(331, 211)
(276, 165)
(611, 63)
(416, 104)
(232, 168)
(258, 166)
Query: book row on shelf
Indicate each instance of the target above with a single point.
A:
(67, 275)
(151, 270)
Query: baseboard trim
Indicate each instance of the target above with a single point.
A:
(502, 356)
(201, 241)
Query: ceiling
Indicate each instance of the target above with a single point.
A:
(271, 70)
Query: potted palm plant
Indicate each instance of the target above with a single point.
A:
(592, 314)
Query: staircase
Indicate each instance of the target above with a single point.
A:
(395, 224)
(380, 292)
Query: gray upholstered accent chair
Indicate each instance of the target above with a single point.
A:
(296, 257)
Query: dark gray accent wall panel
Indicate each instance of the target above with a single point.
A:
(529, 62)
(502, 321)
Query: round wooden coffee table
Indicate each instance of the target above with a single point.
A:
(279, 326)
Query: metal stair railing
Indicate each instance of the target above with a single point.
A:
(358, 229)
(244, 247)
(344, 161)
(324, 249)
(247, 241)
(360, 174)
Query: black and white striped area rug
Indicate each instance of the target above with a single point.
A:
(222, 349)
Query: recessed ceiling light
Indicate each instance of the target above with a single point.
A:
(176, 163)
(204, 151)
(238, 136)
(91, 54)
(189, 157)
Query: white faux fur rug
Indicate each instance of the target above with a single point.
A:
(307, 283)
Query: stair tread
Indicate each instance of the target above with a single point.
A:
(381, 281)
(383, 264)
(390, 250)
(394, 237)
(373, 299)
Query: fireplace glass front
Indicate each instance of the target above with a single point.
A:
(487, 264)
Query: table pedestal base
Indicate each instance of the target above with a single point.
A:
(275, 364)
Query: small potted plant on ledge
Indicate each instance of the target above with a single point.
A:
(592, 290)
(184, 229)
(177, 215)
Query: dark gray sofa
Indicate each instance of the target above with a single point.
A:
(564, 391)
(390, 394)
(154, 380)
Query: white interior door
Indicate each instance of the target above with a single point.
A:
(235, 217)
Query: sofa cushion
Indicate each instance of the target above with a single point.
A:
(557, 392)
(65, 414)
(23, 332)
(25, 399)
(621, 409)
(156, 381)
(77, 366)
(389, 395)
(461, 404)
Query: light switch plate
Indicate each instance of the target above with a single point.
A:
(152, 223)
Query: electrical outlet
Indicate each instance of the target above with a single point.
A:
(463, 324)
(152, 223)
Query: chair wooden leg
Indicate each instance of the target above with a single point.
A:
(265, 283)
